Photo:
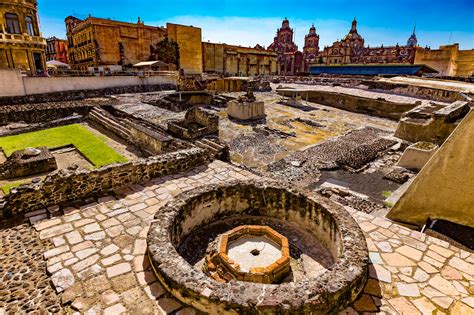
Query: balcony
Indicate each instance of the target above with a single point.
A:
(21, 38)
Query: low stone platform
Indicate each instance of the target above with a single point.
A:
(98, 261)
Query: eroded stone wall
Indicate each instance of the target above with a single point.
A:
(417, 91)
(68, 185)
(371, 106)
(82, 94)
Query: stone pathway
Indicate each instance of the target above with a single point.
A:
(98, 261)
(24, 285)
(99, 258)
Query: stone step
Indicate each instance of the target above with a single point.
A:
(207, 147)
(213, 144)
(100, 116)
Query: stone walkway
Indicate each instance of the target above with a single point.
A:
(24, 284)
(98, 261)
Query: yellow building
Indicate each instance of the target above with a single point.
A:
(21, 44)
(238, 61)
(189, 41)
(94, 42)
(448, 60)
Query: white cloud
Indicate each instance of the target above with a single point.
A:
(251, 31)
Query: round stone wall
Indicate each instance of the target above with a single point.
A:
(327, 222)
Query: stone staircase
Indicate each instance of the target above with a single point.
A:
(215, 147)
(101, 117)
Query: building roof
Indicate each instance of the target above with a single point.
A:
(150, 63)
(373, 69)
(56, 64)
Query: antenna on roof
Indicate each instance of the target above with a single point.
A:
(450, 38)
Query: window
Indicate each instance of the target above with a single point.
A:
(13, 25)
(30, 26)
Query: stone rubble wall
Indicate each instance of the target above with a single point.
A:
(37, 113)
(371, 106)
(20, 165)
(207, 121)
(417, 91)
(436, 127)
(75, 119)
(68, 185)
(340, 80)
(71, 95)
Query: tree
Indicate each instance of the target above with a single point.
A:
(167, 51)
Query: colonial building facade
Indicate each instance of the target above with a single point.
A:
(231, 60)
(350, 50)
(449, 60)
(94, 42)
(21, 44)
(311, 47)
(290, 60)
(56, 49)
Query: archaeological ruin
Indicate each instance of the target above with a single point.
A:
(188, 194)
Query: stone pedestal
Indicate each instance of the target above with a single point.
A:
(21, 164)
(417, 155)
(246, 110)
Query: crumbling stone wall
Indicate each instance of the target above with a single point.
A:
(144, 137)
(19, 165)
(418, 91)
(40, 113)
(72, 184)
(197, 123)
(372, 106)
(82, 94)
(431, 122)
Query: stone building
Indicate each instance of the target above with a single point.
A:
(290, 60)
(231, 60)
(21, 43)
(448, 60)
(351, 50)
(311, 47)
(189, 40)
(95, 41)
(56, 49)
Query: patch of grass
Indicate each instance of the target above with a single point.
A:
(90, 145)
(388, 204)
(386, 194)
(6, 188)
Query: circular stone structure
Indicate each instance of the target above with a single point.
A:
(328, 223)
(249, 253)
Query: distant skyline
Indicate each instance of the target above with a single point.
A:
(246, 23)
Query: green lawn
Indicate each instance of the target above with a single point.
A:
(6, 188)
(90, 145)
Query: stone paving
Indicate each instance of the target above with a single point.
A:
(24, 284)
(98, 262)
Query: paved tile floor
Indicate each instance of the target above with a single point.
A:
(98, 261)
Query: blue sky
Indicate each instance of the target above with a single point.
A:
(244, 22)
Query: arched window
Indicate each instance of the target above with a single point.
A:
(30, 27)
(13, 24)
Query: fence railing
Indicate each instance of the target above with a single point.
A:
(81, 73)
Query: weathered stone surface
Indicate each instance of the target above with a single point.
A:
(253, 194)
(62, 280)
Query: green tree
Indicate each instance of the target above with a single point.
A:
(167, 51)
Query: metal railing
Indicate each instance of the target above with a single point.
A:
(81, 73)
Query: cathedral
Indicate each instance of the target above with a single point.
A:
(290, 60)
(349, 50)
